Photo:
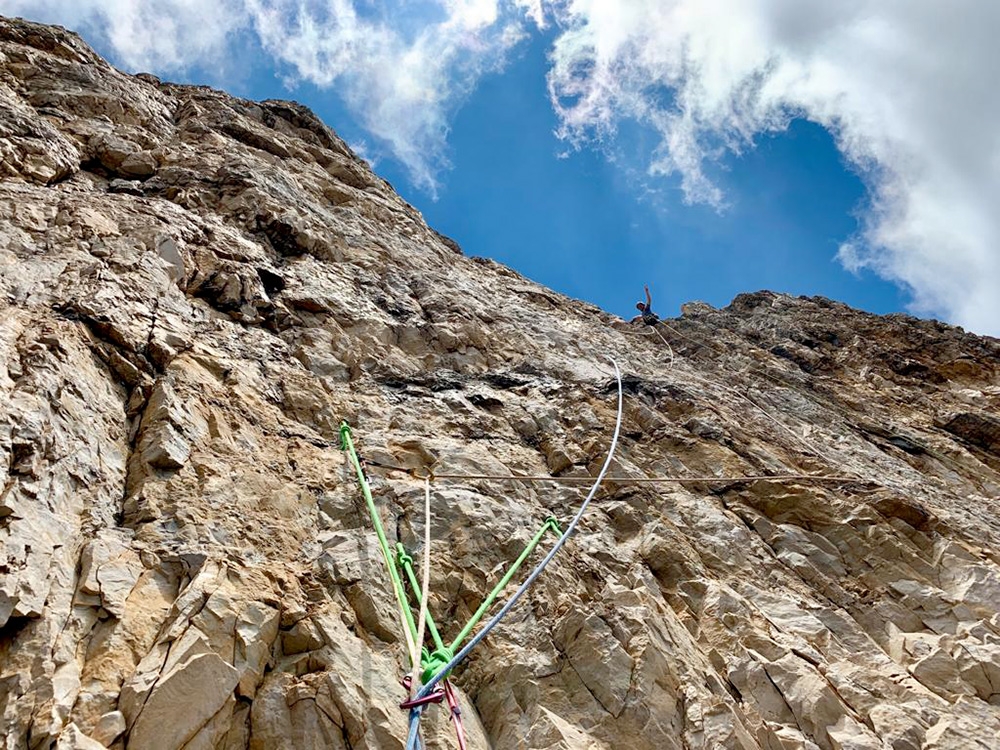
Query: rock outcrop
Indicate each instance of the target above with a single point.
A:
(196, 289)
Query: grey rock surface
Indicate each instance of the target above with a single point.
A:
(196, 289)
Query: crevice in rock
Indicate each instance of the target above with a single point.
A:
(280, 235)
(564, 658)
(152, 325)
(246, 135)
(138, 412)
(152, 688)
(11, 629)
(273, 283)
(110, 345)
(62, 177)
(784, 699)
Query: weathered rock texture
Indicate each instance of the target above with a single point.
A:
(196, 289)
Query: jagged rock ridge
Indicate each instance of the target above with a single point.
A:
(196, 289)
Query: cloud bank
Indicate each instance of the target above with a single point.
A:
(904, 86)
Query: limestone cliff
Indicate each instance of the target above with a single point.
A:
(195, 290)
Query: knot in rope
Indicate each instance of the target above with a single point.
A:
(403, 558)
(434, 663)
(345, 434)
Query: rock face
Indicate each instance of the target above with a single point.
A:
(196, 289)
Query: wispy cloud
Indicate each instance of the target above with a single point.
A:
(403, 70)
(905, 87)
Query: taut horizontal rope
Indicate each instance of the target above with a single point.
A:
(637, 480)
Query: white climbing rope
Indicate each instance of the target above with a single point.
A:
(670, 349)
(809, 445)
(424, 585)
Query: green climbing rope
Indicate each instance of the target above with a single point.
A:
(405, 561)
(432, 662)
(410, 627)
(550, 523)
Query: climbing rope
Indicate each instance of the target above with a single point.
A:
(406, 563)
(628, 480)
(422, 619)
(688, 338)
(774, 420)
(550, 523)
(801, 440)
(406, 617)
(643, 333)
(670, 349)
(456, 713)
(412, 741)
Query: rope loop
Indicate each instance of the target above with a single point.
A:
(429, 476)
(403, 558)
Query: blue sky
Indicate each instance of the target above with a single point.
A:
(584, 225)
(703, 147)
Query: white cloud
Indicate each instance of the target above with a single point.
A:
(905, 87)
(535, 10)
(165, 36)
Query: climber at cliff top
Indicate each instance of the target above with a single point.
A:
(649, 317)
